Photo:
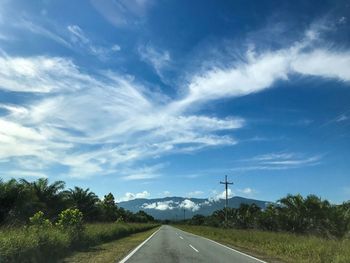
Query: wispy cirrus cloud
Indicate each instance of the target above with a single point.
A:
(61, 128)
(121, 13)
(159, 60)
(279, 161)
(99, 123)
(78, 38)
(26, 24)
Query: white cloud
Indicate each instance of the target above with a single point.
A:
(64, 125)
(189, 205)
(39, 30)
(23, 174)
(216, 196)
(260, 71)
(131, 196)
(40, 74)
(143, 176)
(247, 191)
(166, 193)
(170, 205)
(116, 48)
(317, 63)
(143, 173)
(159, 60)
(342, 20)
(195, 193)
(122, 13)
(342, 117)
(77, 34)
(279, 161)
(79, 38)
(165, 205)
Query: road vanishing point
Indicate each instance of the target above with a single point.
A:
(169, 244)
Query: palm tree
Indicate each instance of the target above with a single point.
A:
(293, 213)
(85, 201)
(49, 197)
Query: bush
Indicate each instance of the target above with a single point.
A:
(26, 244)
(71, 220)
(38, 220)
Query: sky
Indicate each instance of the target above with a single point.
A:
(147, 99)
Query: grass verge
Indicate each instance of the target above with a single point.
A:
(111, 251)
(277, 247)
(50, 244)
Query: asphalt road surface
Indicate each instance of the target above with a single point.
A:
(170, 244)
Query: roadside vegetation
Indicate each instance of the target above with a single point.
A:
(293, 214)
(42, 222)
(295, 229)
(277, 246)
(112, 251)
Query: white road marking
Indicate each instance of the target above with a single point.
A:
(193, 248)
(137, 248)
(181, 237)
(239, 252)
(177, 233)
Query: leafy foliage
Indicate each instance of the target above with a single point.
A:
(39, 220)
(84, 200)
(20, 199)
(293, 213)
(50, 244)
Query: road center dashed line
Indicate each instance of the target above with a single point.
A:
(181, 237)
(193, 248)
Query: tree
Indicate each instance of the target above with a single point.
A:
(292, 213)
(143, 217)
(47, 197)
(110, 210)
(15, 202)
(268, 219)
(84, 200)
(247, 216)
(198, 220)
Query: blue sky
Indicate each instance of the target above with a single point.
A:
(147, 98)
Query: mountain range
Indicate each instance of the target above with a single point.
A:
(176, 208)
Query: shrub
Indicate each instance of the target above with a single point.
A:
(38, 220)
(71, 220)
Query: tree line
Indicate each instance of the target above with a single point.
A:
(21, 199)
(293, 213)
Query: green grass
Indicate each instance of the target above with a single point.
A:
(51, 244)
(277, 247)
(110, 251)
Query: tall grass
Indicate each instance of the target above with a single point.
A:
(283, 246)
(50, 244)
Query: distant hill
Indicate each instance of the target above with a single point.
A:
(172, 207)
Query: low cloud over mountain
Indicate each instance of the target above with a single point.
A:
(174, 207)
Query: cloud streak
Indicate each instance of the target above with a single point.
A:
(102, 123)
(65, 126)
(279, 161)
(260, 71)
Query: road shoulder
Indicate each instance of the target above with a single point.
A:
(112, 251)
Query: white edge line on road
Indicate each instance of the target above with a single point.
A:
(239, 252)
(137, 248)
(193, 248)
(181, 237)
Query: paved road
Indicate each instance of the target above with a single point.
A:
(170, 244)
